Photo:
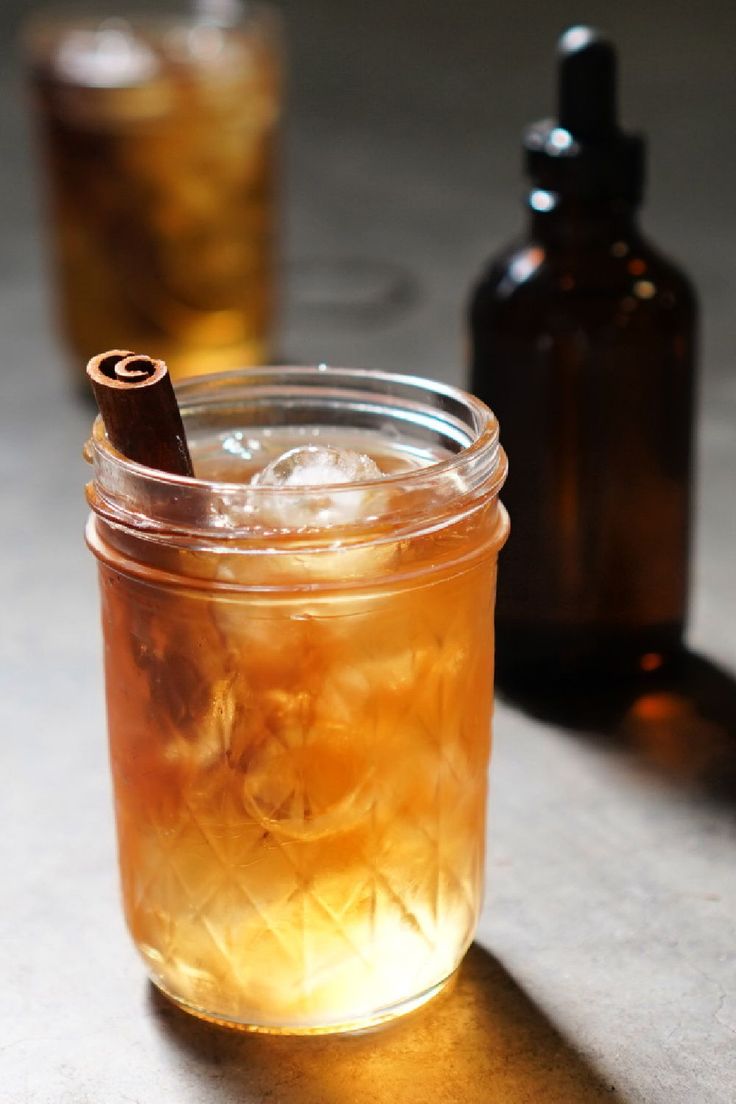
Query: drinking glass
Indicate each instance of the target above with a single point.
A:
(159, 132)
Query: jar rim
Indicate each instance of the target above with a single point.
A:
(478, 464)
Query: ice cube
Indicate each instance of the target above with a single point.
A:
(316, 487)
(317, 466)
(110, 56)
(322, 466)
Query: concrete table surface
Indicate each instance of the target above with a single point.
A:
(604, 967)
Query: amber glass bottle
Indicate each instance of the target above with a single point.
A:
(582, 338)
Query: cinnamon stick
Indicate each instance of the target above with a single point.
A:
(139, 409)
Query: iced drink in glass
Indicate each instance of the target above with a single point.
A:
(299, 654)
(158, 133)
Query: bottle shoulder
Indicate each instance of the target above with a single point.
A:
(668, 273)
(532, 277)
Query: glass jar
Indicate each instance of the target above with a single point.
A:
(299, 689)
(159, 133)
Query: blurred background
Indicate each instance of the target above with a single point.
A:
(403, 148)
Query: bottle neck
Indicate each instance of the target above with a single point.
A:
(572, 222)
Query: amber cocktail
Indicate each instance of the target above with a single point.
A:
(158, 137)
(299, 654)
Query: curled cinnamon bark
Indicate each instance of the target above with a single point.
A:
(138, 406)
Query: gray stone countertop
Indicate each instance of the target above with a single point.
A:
(605, 963)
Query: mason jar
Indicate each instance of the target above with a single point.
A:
(299, 680)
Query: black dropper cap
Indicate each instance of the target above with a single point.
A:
(584, 152)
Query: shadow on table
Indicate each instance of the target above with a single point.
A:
(680, 724)
(484, 1042)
